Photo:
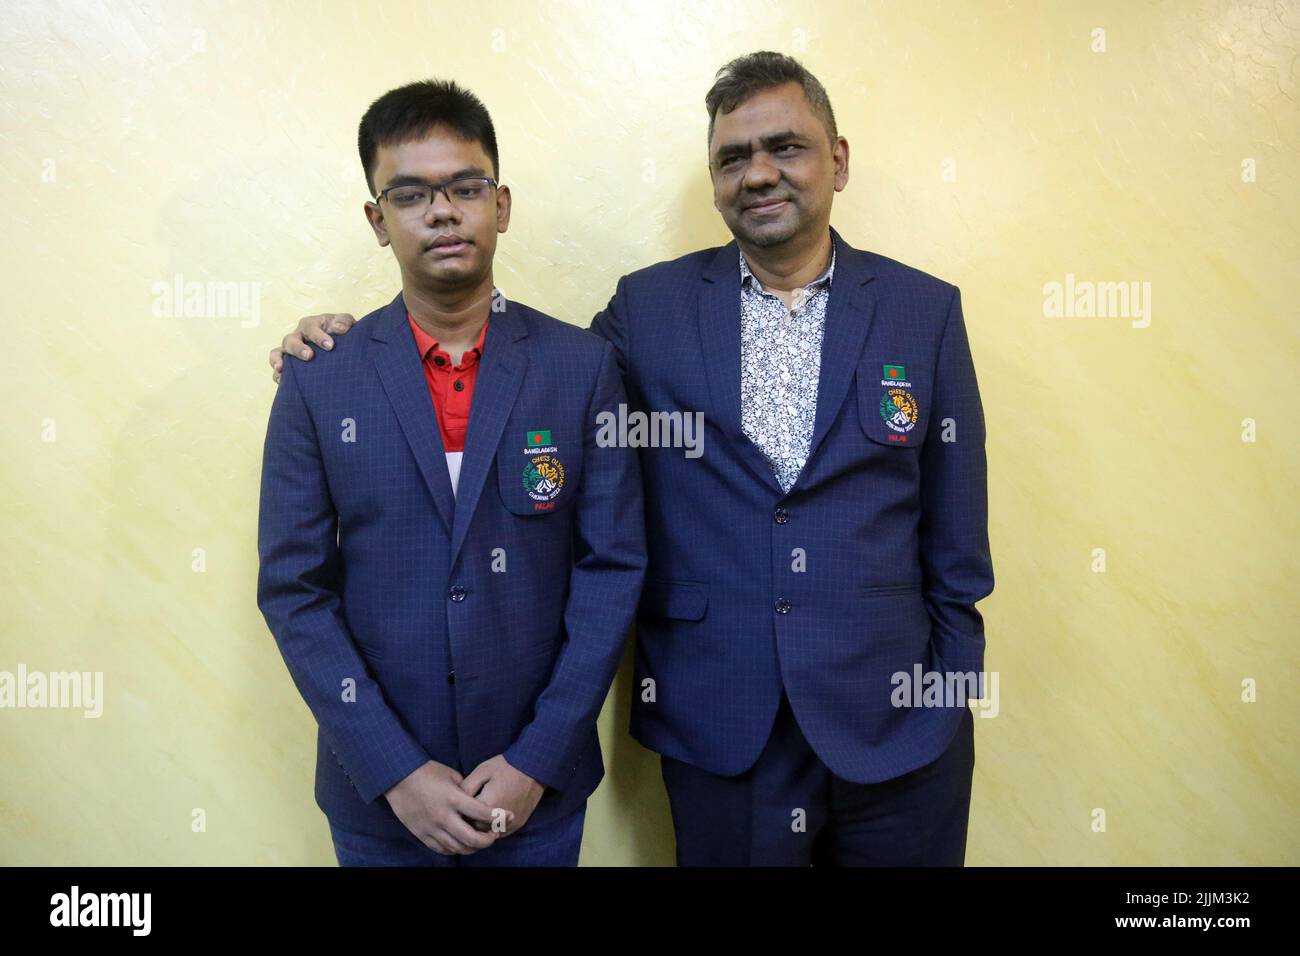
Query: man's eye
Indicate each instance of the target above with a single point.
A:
(785, 147)
(406, 197)
(469, 192)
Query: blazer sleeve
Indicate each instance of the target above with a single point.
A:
(611, 324)
(298, 594)
(956, 564)
(609, 561)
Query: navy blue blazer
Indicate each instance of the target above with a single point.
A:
(890, 519)
(421, 626)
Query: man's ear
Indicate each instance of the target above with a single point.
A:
(375, 216)
(840, 156)
(503, 208)
(713, 184)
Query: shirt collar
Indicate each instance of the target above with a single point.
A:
(426, 343)
(825, 277)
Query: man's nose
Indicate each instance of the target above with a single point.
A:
(761, 172)
(441, 209)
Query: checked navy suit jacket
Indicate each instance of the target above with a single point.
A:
(418, 625)
(890, 518)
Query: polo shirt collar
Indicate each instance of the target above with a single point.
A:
(426, 343)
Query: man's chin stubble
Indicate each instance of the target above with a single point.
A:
(766, 238)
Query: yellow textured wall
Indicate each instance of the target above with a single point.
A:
(993, 144)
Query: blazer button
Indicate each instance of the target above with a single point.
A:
(457, 593)
(451, 677)
(782, 606)
(781, 516)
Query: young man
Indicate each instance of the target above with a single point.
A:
(833, 537)
(449, 562)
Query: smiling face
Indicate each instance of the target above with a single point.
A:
(774, 169)
(447, 245)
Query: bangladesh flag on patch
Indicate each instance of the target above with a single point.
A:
(539, 438)
(895, 371)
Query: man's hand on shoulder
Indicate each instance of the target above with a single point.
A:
(313, 329)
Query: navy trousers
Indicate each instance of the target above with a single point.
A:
(790, 810)
(555, 844)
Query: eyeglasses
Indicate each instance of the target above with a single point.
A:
(414, 198)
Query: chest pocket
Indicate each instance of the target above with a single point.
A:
(538, 471)
(893, 402)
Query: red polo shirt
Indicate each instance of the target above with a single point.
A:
(451, 388)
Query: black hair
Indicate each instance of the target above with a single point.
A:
(749, 74)
(412, 111)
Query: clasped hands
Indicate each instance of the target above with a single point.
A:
(455, 815)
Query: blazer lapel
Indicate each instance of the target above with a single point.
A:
(719, 320)
(848, 317)
(504, 363)
(398, 363)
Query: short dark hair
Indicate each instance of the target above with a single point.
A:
(412, 111)
(749, 74)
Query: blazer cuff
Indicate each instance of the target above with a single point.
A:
(396, 768)
(553, 774)
(958, 654)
